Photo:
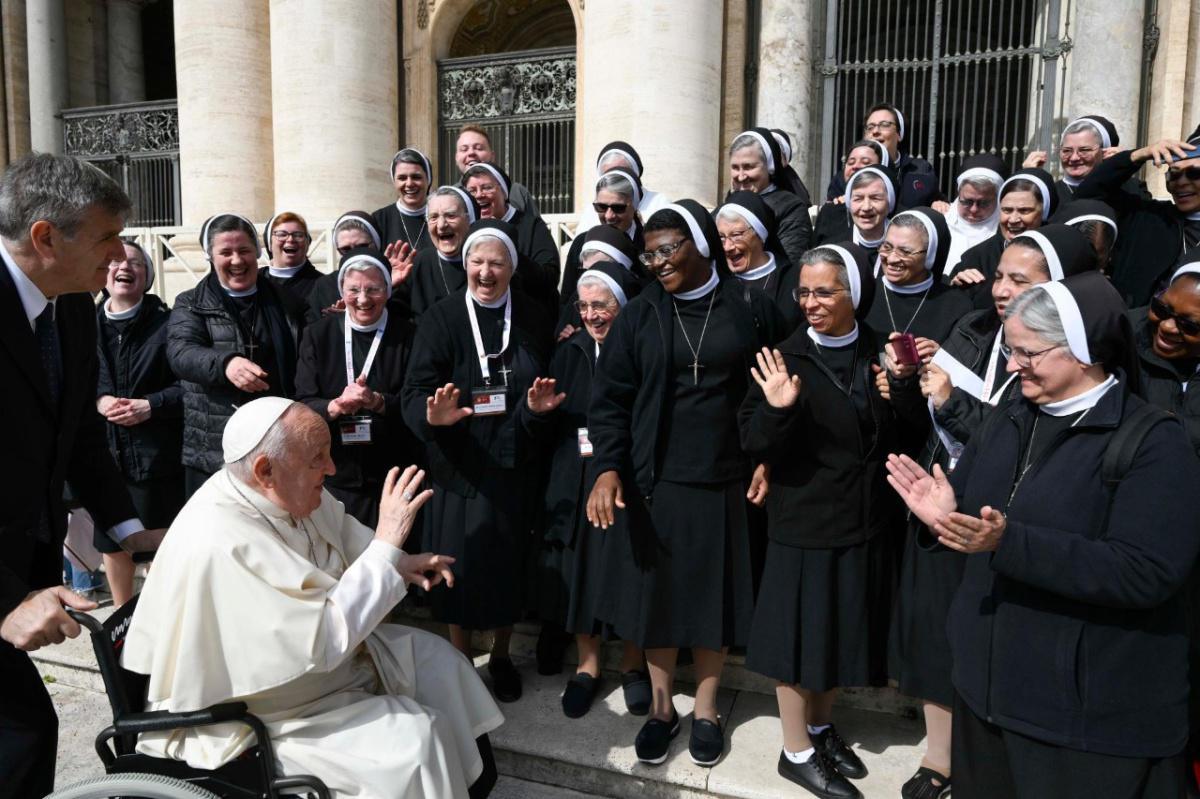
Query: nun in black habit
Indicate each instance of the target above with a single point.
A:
(618, 196)
(1096, 220)
(622, 155)
(1067, 631)
(404, 220)
(788, 176)
(475, 356)
(351, 371)
(747, 231)
(352, 230)
(568, 560)
(490, 185)
(754, 160)
(668, 463)
(869, 201)
(817, 418)
(438, 270)
(1027, 200)
(915, 178)
(286, 240)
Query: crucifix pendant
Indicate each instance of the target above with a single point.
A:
(248, 349)
(504, 373)
(696, 367)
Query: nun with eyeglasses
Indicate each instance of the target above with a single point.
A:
(474, 360)
(1073, 507)
(351, 371)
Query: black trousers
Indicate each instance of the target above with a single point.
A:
(28, 728)
(988, 762)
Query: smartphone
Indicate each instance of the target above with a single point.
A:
(905, 347)
(1192, 152)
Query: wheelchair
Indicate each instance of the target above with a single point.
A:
(129, 774)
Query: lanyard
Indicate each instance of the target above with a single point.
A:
(483, 356)
(350, 377)
(989, 377)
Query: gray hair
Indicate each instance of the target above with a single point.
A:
(910, 222)
(350, 223)
(824, 255)
(611, 158)
(1084, 126)
(729, 215)
(59, 189)
(980, 183)
(447, 191)
(1037, 311)
(745, 142)
(274, 445)
(617, 184)
(592, 280)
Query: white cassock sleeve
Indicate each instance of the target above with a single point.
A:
(367, 591)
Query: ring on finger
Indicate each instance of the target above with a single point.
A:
(408, 496)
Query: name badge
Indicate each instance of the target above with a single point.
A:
(489, 401)
(355, 430)
(585, 446)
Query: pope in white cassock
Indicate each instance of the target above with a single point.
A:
(266, 591)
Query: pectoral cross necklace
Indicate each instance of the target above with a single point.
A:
(695, 365)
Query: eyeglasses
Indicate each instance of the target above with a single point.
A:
(345, 248)
(980, 204)
(735, 236)
(616, 208)
(1162, 312)
(594, 307)
(887, 249)
(822, 295)
(1082, 152)
(871, 127)
(295, 235)
(1023, 358)
(1192, 173)
(661, 254)
(374, 292)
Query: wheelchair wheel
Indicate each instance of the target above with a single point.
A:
(132, 786)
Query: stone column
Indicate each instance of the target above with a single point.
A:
(16, 77)
(1191, 106)
(787, 86)
(335, 87)
(126, 70)
(1167, 93)
(223, 75)
(673, 117)
(1105, 65)
(83, 20)
(46, 34)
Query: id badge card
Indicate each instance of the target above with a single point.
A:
(489, 401)
(585, 446)
(355, 430)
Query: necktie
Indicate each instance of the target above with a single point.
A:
(48, 348)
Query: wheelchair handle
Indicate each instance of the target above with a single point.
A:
(86, 620)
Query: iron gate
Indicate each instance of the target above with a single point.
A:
(970, 76)
(137, 145)
(526, 103)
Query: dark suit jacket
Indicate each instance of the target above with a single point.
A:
(45, 447)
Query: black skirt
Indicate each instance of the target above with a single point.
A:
(568, 579)
(157, 501)
(919, 651)
(677, 573)
(822, 616)
(487, 534)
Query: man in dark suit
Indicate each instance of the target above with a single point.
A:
(60, 222)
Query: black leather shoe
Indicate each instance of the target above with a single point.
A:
(653, 741)
(577, 699)
(638, 695)
(818, 776)
(926, 784)
(506, 682)
(707, 742)
(838, 752)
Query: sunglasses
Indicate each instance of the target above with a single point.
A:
(616, 208)
(1162, 312)
(1192, 173)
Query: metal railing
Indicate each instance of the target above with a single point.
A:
(137, 145)
(526, 103)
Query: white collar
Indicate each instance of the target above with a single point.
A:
(451, 260)
(915, 288)
(834, 341)
(1194, 216)
(1070, 181)
(862, 242)
(284, 272)
(32, 299)
(493, 305)
(760, 272)
(1080, 402)
(703, 291)
(371, 328)
(510, 213)
(118, 316)
(632, 232)
(404, 209)
(250, 292)
(770, 188)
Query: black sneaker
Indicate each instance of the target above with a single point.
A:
(506, 682)
(926, 784)
(838, 752)
(653, 741)
(707, 742)
(577, 699)
(818, 776)
(638, 695)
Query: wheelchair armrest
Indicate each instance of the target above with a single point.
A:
(157, 720)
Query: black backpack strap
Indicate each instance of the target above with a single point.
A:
(1124, 445)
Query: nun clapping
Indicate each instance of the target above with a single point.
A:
(1068, 630)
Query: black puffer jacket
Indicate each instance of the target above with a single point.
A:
(202, 338)
(133, 364)
(795, 232)
(1160, 384)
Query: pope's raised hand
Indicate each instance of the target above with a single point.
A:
(398, 506)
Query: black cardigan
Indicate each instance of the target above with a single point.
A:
(828, 485)
(1073, 631)
(631, 389)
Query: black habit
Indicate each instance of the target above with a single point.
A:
(392, 225)
(300, 284)
(932, 314)
(794, 226)
(984, 256)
